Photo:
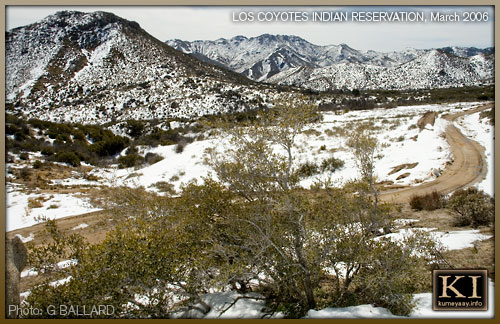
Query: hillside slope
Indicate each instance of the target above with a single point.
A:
(96, 67)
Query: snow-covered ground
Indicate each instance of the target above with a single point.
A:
(401, 142)
(396, 131)
(454, 240)
(482, 132)
(53, 206)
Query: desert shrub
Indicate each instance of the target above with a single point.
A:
(30, 144)
(131, 150)
(135, 128)
(37, 164)
(24, 156)
(385, 281)
(19, 136)
(430, 201)
(11, 129)
(24, 174)
(307, 169)
(152, 158)
(472, 207)
(55, 130)
(79, 135)
(47, 151)
(40, 124)
(331, 164)
(164, 187)
(179, 148)
(129, 160)
(311, 132)
(109, 146)
(489, 114)
(68, 157)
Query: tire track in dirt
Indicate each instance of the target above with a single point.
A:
(467, 168)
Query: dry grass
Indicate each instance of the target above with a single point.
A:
(35, 202)
(481, 256)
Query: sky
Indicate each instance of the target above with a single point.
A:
(210, 23)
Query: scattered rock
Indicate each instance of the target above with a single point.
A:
(436, 173)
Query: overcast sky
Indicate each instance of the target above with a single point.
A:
(192, 23)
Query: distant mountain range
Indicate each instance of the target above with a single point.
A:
(291, 60)
(97, 67)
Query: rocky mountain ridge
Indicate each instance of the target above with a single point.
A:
(262, 57)
(97, 67)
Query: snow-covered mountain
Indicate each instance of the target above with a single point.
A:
(96, 67)
(434, 69)
(260, 58)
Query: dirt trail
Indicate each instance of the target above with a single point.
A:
(467, 168)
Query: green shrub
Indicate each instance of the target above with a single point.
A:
(307, 169)
(129, 160)
(135, 128)
(79, 135)
(48, 151)
(331, 164)
(430, 201)
(37, 164)
(68, 157)
(109, 146)
(164, 187)
(24, 156)
(472, 207)
(179, 148)
(152, 158)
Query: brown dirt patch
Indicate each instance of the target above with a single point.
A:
(404, 175)
(402, 166)
(428, 118)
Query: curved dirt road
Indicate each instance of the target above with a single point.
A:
(467, 168)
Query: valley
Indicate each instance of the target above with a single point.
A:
(259, 177)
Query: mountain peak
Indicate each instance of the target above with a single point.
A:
(102, 66)
(239, 38)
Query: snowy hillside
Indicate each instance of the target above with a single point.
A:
(434, 69)
(88, 67)
(260, 58)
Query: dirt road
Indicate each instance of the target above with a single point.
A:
(467, 168)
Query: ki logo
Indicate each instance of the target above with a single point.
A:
(455, 290)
